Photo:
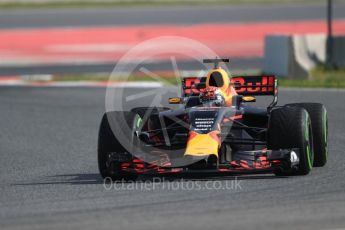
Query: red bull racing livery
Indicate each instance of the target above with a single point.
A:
(215, 130)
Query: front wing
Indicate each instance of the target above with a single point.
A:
(258, 161)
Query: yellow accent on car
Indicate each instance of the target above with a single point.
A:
(249, 99)
(174, 100)
(202, 145)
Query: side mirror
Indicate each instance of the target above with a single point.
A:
(175, 100)
(248, 99)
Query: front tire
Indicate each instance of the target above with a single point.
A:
(319, 122)
(109, 144)
(290, 127)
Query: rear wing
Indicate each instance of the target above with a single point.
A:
(266, 85)
(255, 85)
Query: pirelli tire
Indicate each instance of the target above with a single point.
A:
(290, 127)
(108, 143)
(319, 123)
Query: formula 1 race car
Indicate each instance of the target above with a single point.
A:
(215, 130)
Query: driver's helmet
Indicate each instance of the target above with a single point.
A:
(218, 85)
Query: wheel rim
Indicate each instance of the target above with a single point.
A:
(325, 132)
(137, 125)
(309, 144)
(137, 122)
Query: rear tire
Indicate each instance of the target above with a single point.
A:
(319, 122)
(108, 143)
(290, 127)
